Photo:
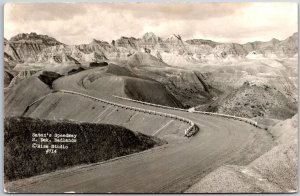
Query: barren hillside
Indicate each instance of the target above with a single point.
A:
(188, 73)
(273, 172)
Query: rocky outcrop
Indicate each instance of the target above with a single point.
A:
(174, 50)
(189, 87)
(252, 101)
(8, 77)
(229, 50)
(98, 46)
(275, 47)
(199, 50)
(142, 59)
(199, 42)
(31, 37)
(151, 38)
(26, 47)
(20, 77)
(70, 54)
(127, 42)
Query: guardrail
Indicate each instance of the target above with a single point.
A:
(151, 104)
(39, 99)
(190, 131)
(246, 120)
(193, 129)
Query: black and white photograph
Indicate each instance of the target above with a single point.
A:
(150, 97)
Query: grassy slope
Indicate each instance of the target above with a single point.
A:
(95, 142)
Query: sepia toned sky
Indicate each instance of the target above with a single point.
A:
(223, 22)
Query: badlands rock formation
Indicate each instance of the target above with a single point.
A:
(196, 72)
(26, 47)
(275, 47)
(256, 80)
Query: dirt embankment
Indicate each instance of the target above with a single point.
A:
(51, 105)
(94, 143)
(121, 81)
(27, 91)
(185, 87)
(48, 77)
(119, 70)
(150, 91)
(23, 94)
(253, 101)
(140, 59)
(273, 172)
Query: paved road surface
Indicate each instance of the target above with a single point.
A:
(169, 168)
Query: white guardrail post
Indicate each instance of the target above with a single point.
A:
(190, 131)
(246, 120)
(249, 121)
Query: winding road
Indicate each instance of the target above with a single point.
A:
(171, 168)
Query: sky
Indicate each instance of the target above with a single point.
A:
(80, 23)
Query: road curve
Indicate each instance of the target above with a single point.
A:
(167, 169)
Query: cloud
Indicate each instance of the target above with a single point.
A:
(224, 22)
(180, 11)
(43, 11)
